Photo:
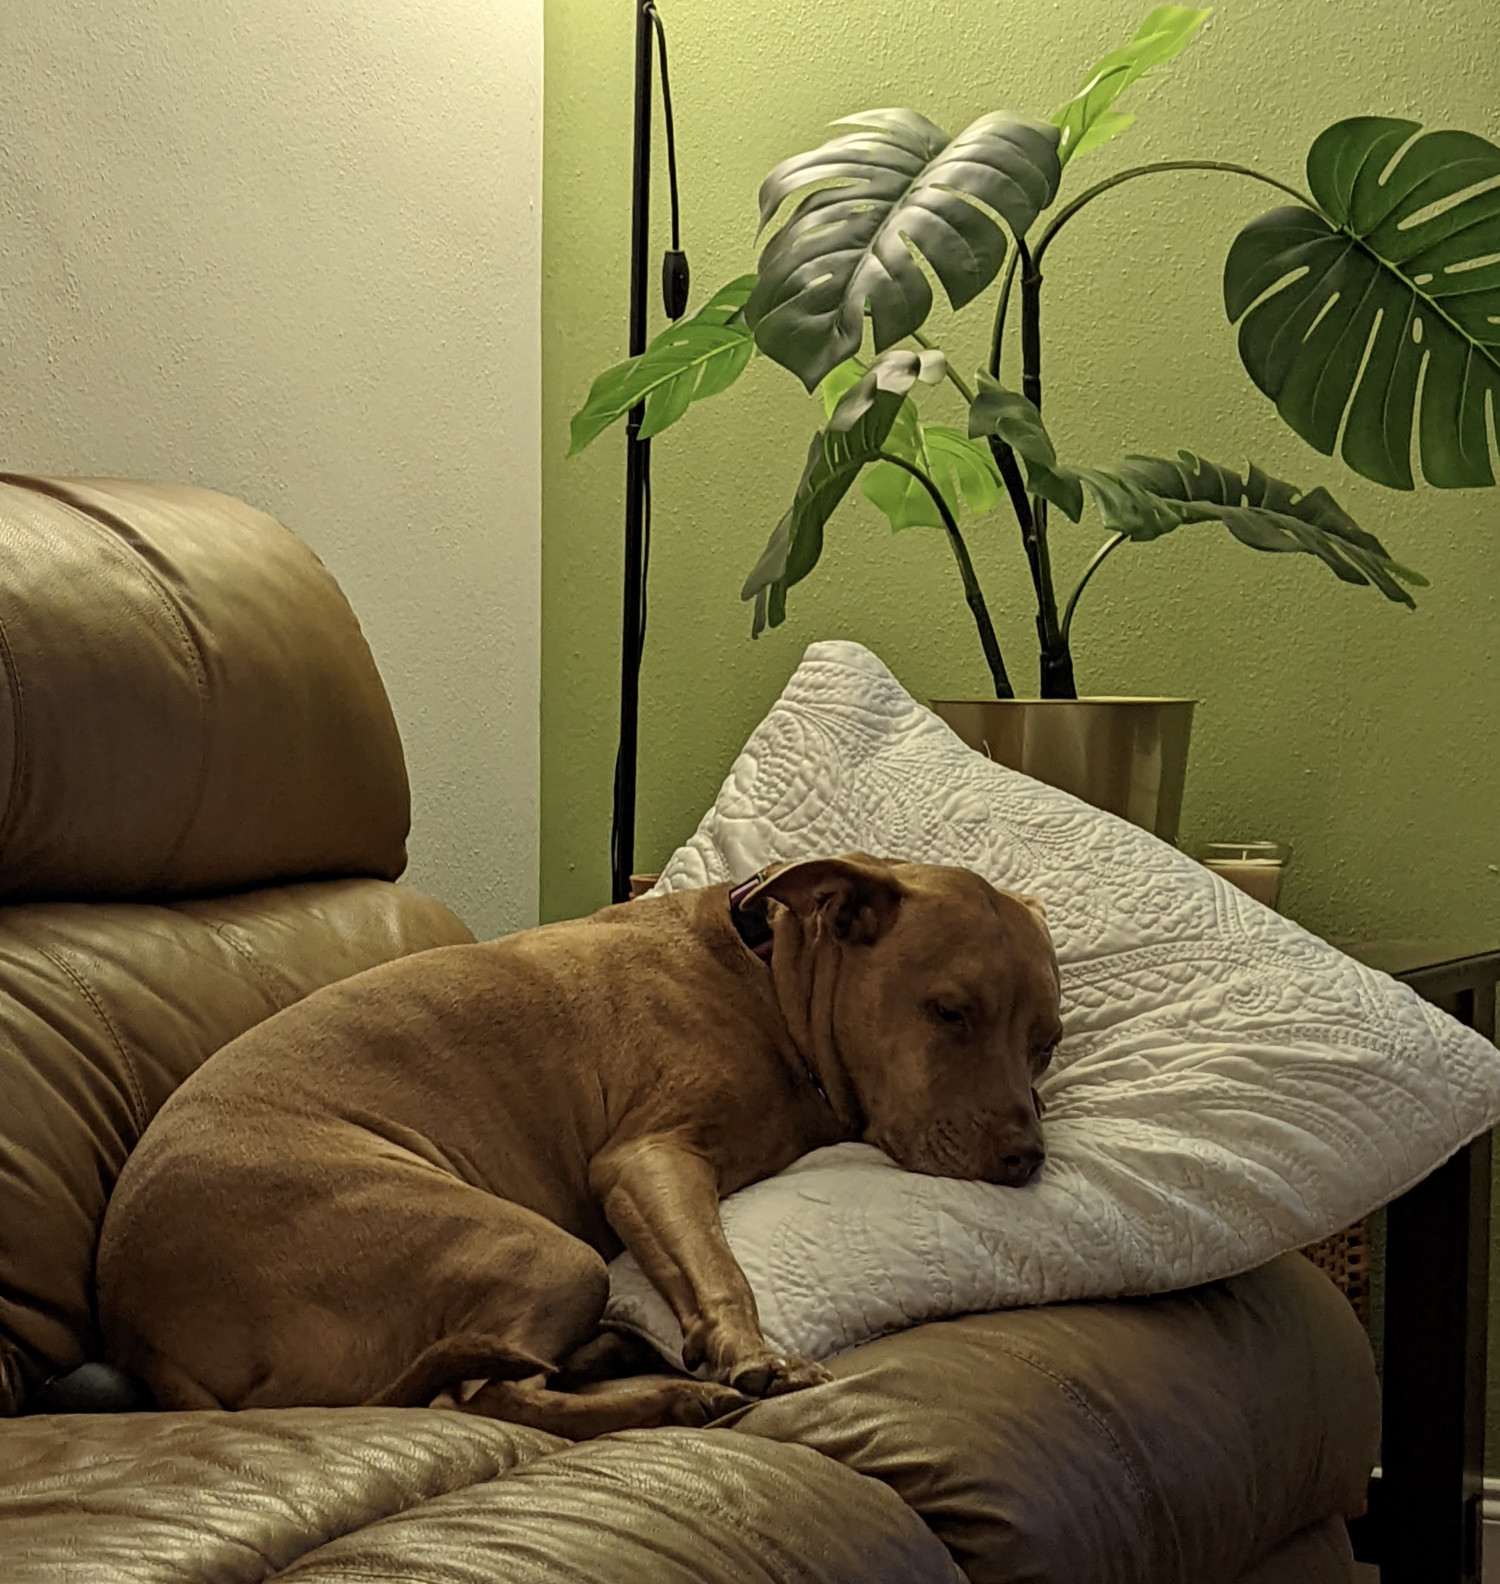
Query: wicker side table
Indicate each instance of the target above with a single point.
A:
(1345, 1259)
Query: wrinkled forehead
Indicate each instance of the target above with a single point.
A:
(958, 918)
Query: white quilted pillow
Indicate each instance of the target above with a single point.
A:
(1228, 1086)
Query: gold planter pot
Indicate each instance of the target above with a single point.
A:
(1126, 755)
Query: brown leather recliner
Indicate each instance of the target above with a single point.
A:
(203, 810)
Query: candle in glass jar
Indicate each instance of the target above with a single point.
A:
(1255, 868)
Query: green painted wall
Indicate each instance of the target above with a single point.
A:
(1367, 737)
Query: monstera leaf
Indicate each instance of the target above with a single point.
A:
(901, 186)
(854, 436)
(695, 358)
(963, 473)
(1087, 120)
(1010, 417)
(1260, 511)
(1146, 497)
(1381, 315)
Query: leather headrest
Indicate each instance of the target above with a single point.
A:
(188, 703)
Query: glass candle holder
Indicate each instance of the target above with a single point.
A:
(1255, 867)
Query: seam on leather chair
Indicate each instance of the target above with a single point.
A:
(137, 1094)
(595, 1461)
(18, 738)
(607, 1475)
(256, 968)
(381, 1576)
(125, 541)
(355, 1575)
(1069, 1389)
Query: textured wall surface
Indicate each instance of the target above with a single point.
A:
(1366, 736)
(291, 253)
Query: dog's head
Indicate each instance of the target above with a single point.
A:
(938, 996)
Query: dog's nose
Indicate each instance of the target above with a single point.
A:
(1020, 1167)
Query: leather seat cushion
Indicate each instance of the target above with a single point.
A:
(1318, 1554)
(227, 1497)
(1206, 1427)
(420, 1495)
(104, 1009)
(652, 1507)
(1200, 1438)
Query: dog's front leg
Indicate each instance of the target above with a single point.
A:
(662, 1198)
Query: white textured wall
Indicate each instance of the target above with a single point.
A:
(290, 251)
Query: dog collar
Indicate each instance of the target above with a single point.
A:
(752, 927)
(750, 922)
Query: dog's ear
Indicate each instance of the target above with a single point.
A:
(855, 896)
(1033, 905)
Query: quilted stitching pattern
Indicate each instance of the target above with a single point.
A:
(1228, 1087)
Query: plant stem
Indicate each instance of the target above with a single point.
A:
(948, 369)
(998, 334)
(1056, 658)
(1015, 485)
(1088, 572)
(1056, 663)
(1053, 635)
(1160, 167)
(972, 592)
(1031, 331)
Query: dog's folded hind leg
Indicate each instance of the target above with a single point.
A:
(612, 1355)
(525, 1294)
(643, 1402)
(452, 1359)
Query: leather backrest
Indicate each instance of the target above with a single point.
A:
(188, 709)
(188, 704)
(104, 1009)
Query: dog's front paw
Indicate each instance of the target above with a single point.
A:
(737, 1355)
(770, 1374)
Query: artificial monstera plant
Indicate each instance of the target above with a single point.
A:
(1368, 311)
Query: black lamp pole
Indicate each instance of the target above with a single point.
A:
(637, 476)
(674, 296)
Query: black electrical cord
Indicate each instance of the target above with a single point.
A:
(621, 859)
(666, 108)
(674, 266)
(673, 291)
(674, 284)
(640, 653)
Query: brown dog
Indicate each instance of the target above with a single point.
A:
(416, 1175)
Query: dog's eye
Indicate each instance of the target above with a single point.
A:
(950, 1016)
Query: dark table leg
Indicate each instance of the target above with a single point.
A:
(1425, 1519)
(1427, 1508)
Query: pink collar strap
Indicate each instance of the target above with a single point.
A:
(750, 920)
